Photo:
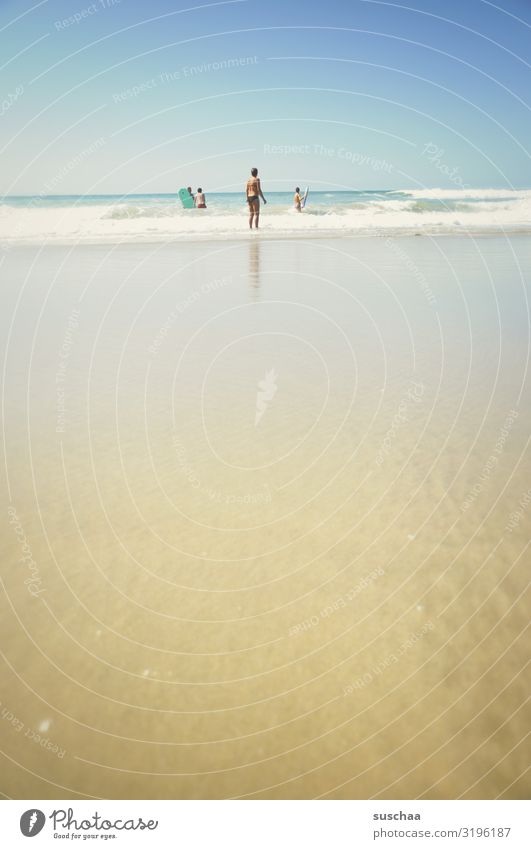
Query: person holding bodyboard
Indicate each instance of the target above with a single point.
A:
(298, 201)
(187, 198)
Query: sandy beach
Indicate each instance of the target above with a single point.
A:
(266, 518)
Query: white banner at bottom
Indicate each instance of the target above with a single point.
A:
(267, 824)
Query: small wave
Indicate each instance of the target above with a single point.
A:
(123, 212)
(463, 194)
(119, 213)
(428, 211)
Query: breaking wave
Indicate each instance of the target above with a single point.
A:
(162, 218)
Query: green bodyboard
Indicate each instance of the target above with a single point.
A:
(186, 198)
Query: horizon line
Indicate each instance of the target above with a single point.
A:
(269, 191)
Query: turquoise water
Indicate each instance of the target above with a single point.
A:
(161, 216)
(229, 201)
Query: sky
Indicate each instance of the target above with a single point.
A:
(117, 96)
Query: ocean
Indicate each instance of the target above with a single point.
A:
(160, 217)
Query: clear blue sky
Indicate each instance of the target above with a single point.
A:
(361, 86)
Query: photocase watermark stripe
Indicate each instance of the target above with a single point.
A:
(186, 72)
(7, 716)
(411, 266)
(317, 149)
(492, 462)
(182, 306)
(337, 604)
(435, 155)
(389, 660)
(83, 14)
(10, 99)
(60, 375)
(22, 15)
(76, 160)
(34, 581)
(261, 496)
(51, 185)
(516, 515)
(413, 395)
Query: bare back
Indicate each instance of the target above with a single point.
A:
(253, 187)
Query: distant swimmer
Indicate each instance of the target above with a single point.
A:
(253, 192)
(297, 200)
(200, 200)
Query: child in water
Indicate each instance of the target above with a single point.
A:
(297, 200)
(200, 200)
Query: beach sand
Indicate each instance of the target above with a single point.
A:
(266, 525)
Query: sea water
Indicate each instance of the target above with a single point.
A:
(161, 217)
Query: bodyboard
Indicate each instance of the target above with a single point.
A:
(186, 198)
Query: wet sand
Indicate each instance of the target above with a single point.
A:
(267, 519)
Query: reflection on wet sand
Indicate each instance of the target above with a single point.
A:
(254, 264)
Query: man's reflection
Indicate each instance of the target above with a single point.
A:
(254, 265)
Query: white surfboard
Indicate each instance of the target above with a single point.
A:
(303, 202)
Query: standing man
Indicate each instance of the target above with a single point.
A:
(200, 202)
(253, 192)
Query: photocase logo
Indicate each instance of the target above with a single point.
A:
(267, 389)
(31, 822)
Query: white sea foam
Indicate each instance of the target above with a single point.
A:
(408, 211)
(473, 194)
